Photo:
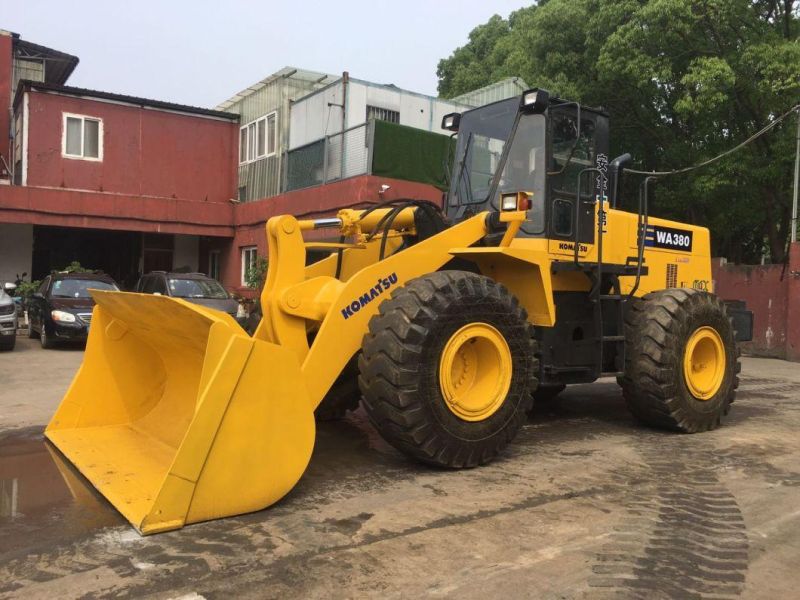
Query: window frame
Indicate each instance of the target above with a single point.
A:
(215, 260)
(251, 145)
(83, 119)
(245, 264)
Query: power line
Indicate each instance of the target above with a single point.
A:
(752, 138)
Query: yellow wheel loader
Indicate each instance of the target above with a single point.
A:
(532, 279)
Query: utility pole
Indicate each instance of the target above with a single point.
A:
(796, 180)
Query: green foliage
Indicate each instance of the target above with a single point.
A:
(75, 267)
(25, 289)
(683, 80)
(254, 276)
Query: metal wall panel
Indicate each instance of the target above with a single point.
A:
(506, 88)
(262, 178)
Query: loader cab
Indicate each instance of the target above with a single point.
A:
(542, 149)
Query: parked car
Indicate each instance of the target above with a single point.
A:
(61, 309)
(193, 287)
(8, 318)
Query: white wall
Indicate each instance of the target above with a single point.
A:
(316, 116)
(311, 118)
(186, 253)
(16, 251)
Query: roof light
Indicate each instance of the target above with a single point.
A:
(535, 100)
(451, 121)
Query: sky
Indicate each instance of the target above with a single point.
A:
(201, 53)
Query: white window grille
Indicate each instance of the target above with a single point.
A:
(383, 114)
(249, 260)
(258, 139)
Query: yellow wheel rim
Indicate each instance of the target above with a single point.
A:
(704, 363)
(475, 371)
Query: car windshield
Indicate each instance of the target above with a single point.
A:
(196, 288)
(78, 288)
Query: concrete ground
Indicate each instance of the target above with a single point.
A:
(586, 503)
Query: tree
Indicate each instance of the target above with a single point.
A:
(682, 80)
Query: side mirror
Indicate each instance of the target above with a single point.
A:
(615, 168)
(9, 287)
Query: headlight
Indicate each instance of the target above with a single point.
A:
(63, 317)
(508, 202)
(515, 201)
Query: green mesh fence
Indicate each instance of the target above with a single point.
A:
(411, 154)
(305, 166)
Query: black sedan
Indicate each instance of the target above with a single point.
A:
(192, 287)
(61, 309)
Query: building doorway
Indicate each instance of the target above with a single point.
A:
(113, 252)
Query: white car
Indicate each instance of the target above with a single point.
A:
(8, 318)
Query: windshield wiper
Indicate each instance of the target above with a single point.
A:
(467, 148)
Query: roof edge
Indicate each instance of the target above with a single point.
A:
(124, 99)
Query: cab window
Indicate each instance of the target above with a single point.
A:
(573, 151)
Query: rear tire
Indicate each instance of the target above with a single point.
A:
(31, 332)
(400, 370)
(659, 329)
(547, 393)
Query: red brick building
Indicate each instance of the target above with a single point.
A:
(129, 185)
(118, 183)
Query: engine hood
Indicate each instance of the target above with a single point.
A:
(71, 304)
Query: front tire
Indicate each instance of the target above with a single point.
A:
(343, 397)
(447, 369)
(44, 339)
(681, 360)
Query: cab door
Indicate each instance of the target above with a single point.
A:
(573, 147)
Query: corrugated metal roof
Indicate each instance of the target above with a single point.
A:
(284, 73)
(59, 65)
(134, 100)
(500, 90)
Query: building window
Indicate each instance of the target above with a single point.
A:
(383, 114)
(213, 264)
(82, 137)
(258, 139)
(249, 261)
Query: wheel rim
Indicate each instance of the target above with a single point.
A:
(704, 363)
(475, 371)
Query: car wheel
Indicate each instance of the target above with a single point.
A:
(9, 345)
(45, 340)
(31, 332)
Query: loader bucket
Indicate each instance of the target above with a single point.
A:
(177, 416)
